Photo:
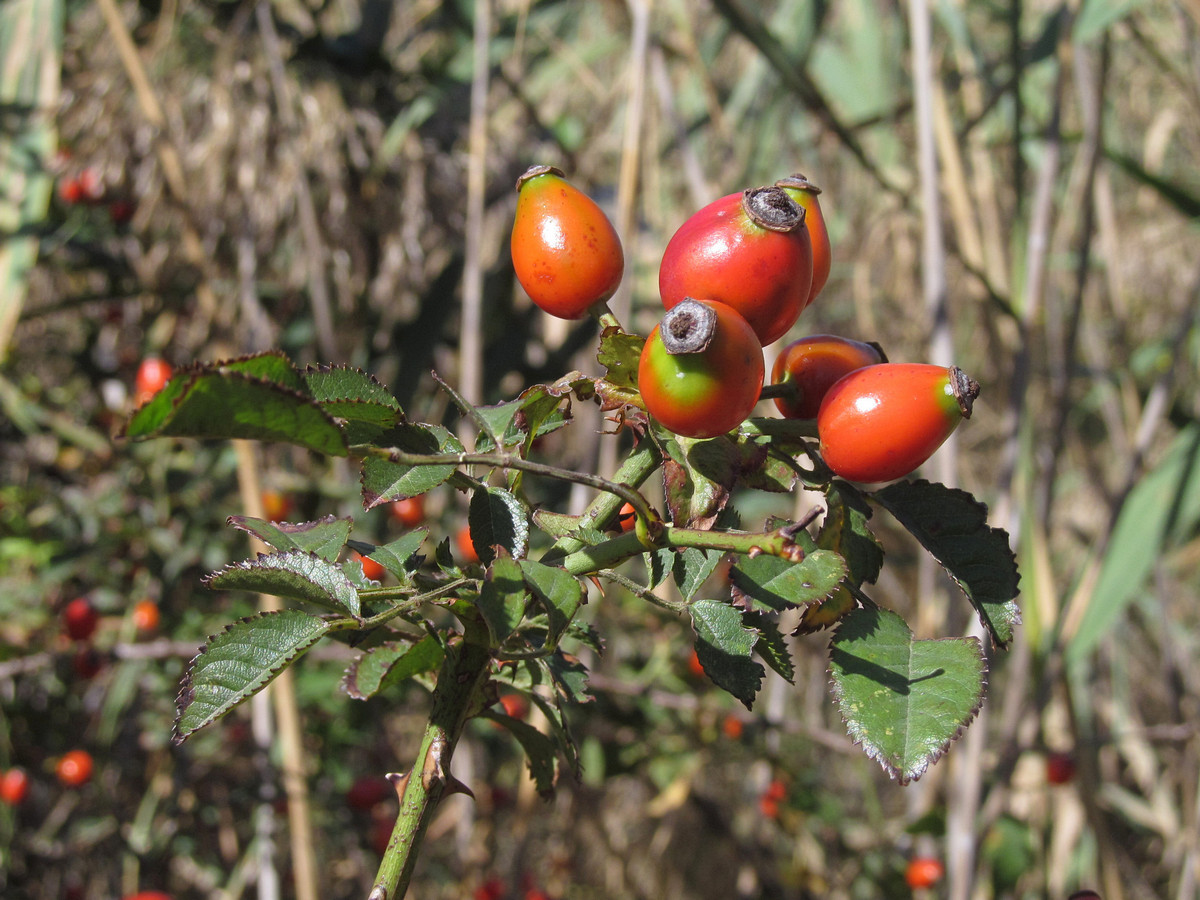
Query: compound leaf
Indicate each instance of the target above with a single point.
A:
(384, 480)
(497, 517)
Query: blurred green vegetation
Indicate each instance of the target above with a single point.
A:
(299, 180)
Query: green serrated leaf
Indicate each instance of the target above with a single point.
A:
(845, 532)
(569, 677)
(772, 584)
(389, 664)
(724, 646)
(772, 646)
(231, 401)
(502, 598)
(239, 662)
(826, 612)
(498, 517)
(354, 396)
(324, 537)
(620, 354)
(539, 750)
(296, 574)
(952, 526)
(384, 481)
(692, 567)
(903, 700)
(270, 365)
(557, 525)
(559, 592)
(395, 555)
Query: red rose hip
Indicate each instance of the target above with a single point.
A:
(881, 422)
(812, 365)
(750, 251)
(804, 192)
(701, 370)
(565, 251)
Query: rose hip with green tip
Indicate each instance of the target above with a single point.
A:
(881, 422)
(701, 370)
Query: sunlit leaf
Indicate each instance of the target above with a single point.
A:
(903, 700)
(237, 663)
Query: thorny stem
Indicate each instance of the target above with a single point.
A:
(459, 683)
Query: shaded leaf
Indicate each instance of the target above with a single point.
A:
(391, 663)
(295, 574)
(539, 750)
(237, 663)
(772, 584)
(324, 537)
(692, 567)
(395, 556)
(724, 646)
(569, 677)
(559, 592)
(497, 517)
(825, 612)
(384, 481)
(845, 532)
(251, 399)
(952, 526)
(502, 598)
(772, 646)
(903, 700)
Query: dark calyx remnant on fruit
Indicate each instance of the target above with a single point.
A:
(688, 327)
(771, 208)
(965, 389)
(535, 171)
(798, 182)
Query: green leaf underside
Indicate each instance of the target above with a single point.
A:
(697, 478)
(502, 598)
(559, 593)
(384, 481)
(324, 537)
(497, 517)
(772, 584)
(952, 526)
(296, 575)
(903, 700)
(724, 646)
(568, 676)
(239, 662)
(389, 664)
(227, 402)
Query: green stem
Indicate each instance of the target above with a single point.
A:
(643, 460)
(459, 684)
(606, 555)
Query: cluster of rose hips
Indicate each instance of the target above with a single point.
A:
(735, 278)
